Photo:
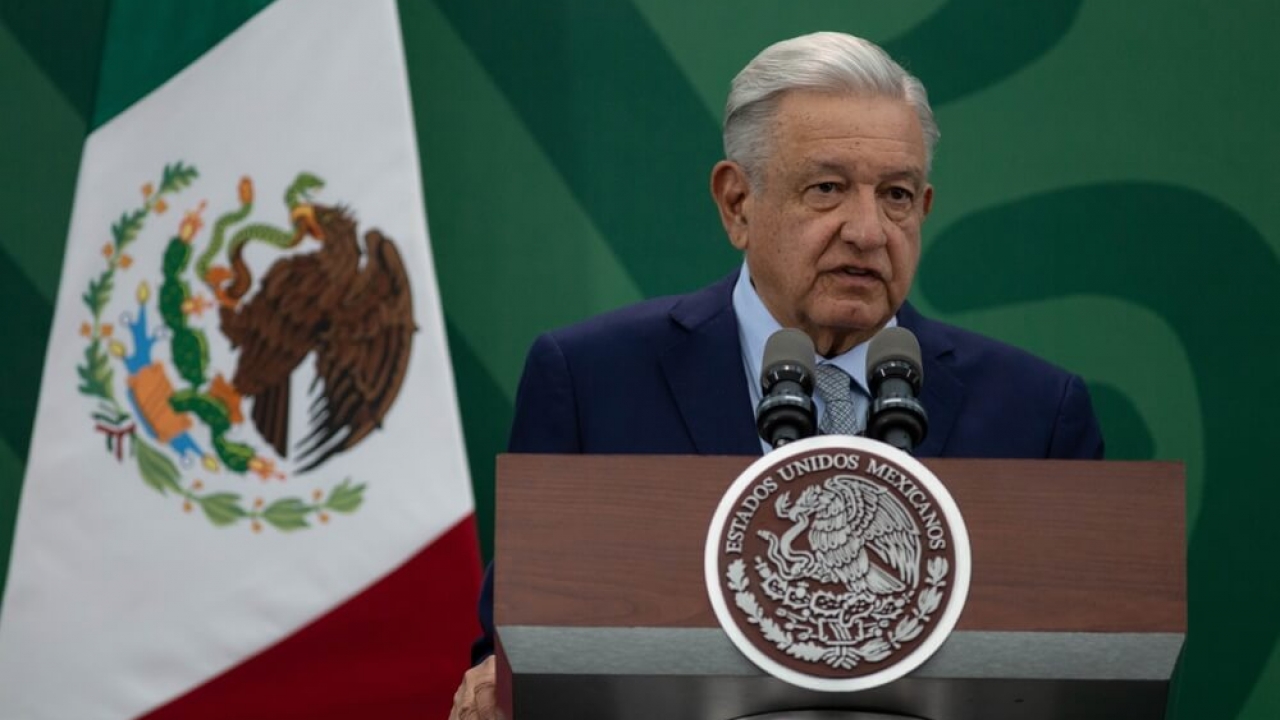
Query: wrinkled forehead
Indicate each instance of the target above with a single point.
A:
(822, 112)
(821, 125)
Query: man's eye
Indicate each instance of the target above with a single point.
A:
(826, 188)
(900, 195)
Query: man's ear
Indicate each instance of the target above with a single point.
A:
(928, 200)
(732, 193)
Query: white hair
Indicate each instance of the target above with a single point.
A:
(823, 62)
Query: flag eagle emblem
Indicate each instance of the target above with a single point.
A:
(180, 418)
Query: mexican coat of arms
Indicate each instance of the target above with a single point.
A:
(837, 563)
(198, 429)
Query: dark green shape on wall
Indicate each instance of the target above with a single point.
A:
(619, 121)
(137, 60)
(486, 417)
(969, 45)
(1127, 436)
(63, 37)
(1212, 276)
(25, 327)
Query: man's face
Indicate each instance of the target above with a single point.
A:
(832, 230)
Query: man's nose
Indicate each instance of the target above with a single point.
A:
(862, 225)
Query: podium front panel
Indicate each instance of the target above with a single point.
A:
(1077, 607)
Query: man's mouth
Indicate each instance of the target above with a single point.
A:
(858, 272)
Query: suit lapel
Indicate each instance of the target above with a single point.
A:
(943, 394)
(705, 373)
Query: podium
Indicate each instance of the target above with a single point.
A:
(1077, 607)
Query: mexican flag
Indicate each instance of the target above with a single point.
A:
(246, 493)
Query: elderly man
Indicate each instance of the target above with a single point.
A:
(824, 190)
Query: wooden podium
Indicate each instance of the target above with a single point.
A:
(1077, 607)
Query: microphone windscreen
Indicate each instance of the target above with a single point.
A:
(789, 346)
(895, 343)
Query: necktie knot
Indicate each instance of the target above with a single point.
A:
(844, 406)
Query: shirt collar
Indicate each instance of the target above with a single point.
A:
(756, 324)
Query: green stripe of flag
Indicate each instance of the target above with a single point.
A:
(137, 60)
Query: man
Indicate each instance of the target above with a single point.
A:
(825, 188)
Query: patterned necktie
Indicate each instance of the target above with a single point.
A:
(845, 405)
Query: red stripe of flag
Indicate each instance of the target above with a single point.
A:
(396, 650)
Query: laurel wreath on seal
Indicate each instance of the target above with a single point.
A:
(115, 419)
(842, 657)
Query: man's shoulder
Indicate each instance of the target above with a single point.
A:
(648, 321)
(968, 350)
(991, 399)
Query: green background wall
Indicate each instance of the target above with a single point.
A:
(1106, 188)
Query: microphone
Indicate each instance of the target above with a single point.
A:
(894, 373)
(785, 413)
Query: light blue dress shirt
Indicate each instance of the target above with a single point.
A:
(755, 325)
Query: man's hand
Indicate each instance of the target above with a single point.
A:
(477, 697)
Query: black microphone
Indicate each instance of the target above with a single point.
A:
(894, 373)
(786, 412)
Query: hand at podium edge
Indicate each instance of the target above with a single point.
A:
(477, 697)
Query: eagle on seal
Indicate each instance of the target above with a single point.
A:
(844, 518)
(356, 317)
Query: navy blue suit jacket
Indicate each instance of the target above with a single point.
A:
(666, 376)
